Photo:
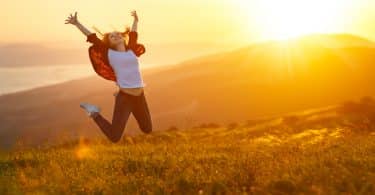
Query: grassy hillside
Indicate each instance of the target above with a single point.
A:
(263, 79)
(325, 151)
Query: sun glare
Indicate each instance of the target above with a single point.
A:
(83, 151)
(290, 18)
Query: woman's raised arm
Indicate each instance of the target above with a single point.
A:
(135, 21)
(74, 21)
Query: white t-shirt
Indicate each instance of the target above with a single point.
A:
(126, 67)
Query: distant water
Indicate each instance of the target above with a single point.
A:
(24, 78)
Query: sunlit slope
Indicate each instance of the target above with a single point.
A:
(265, 79)
(268, 78)
(325, 151)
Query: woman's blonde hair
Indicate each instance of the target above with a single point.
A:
(105, 37)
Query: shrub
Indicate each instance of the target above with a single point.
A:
(250, 123)
(360, 116)
(207, 125)
(367, 100)
(212, 125)
(282, 187)
(172, 128)
(232, 126)
(291, 120)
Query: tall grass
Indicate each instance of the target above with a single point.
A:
(316, 153)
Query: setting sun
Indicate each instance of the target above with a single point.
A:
(291, 18)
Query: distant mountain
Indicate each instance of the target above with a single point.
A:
(338, 40)
(18, 55)
(264, 79)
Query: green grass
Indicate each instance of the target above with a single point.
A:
(322, 153)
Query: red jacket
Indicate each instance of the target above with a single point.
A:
(98, 54)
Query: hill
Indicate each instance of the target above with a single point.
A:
(338, 40)
(68, 53)
(265, 79)
(325, 151)
(31, 54)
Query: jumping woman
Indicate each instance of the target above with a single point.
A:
(115, 58)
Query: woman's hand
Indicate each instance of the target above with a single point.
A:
(72, 19)
(135, 22)
(134, 14)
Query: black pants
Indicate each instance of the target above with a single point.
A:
(124, 105)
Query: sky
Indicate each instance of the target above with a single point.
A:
(175, 21)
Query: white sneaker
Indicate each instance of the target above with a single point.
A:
(90, 109)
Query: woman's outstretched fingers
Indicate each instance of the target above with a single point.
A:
(134, 14)
(72, 19)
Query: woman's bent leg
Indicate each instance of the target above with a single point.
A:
(121, 113)
(142, 114)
